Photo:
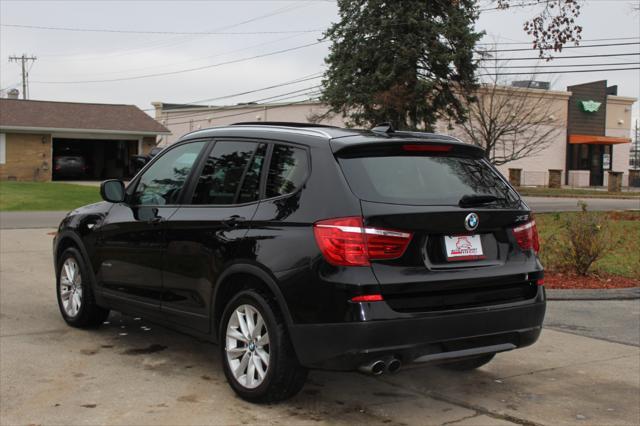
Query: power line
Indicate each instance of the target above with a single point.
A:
(534, 3)
(248, 112)
(289, 50)
(182, 39)
(561, 66)
(561, 57)
(107, 30)
(276, 98)
(556, 72)
(314, 30)
(234, 95)
(582, 40)
(235, 61)
(566, 47)
(199, 59)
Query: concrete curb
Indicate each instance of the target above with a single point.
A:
(604, 294)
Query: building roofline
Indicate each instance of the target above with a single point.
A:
(24, 129)
(66, 102)
(625, 100)
(527, 90)
(205, 108)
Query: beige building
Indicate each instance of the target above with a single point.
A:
(102, 138)
(585, 145)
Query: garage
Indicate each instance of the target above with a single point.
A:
(44, 140)
(93, 159)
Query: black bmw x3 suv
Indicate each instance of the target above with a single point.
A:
(301, 247)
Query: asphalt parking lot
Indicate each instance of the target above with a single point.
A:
(133, 372)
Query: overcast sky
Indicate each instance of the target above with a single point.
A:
(68, 59)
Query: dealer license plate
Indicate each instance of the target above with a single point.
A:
(463, 247)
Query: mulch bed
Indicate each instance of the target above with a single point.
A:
(571, 281)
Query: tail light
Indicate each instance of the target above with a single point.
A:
(368, 298)
(427, 148)
(527, 236)
(346, 242)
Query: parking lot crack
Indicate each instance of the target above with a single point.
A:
(568, 365)
(453, 422)
(34, 333)
(477, 409)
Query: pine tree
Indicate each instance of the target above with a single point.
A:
(405, 62)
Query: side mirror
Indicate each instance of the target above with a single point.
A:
(112, 191)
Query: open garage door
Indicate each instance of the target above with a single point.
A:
(92, 159)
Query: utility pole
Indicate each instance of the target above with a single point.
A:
(25, 74)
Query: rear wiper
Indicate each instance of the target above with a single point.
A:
(478, 200)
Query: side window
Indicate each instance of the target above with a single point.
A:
(250, 190)
(227, 165)
(287, 171)
(162, 182)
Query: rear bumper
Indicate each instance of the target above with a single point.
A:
(439, 336)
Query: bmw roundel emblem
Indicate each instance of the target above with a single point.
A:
(471, 221)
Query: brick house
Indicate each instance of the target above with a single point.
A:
(106, 136)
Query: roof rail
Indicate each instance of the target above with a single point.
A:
(281, 124)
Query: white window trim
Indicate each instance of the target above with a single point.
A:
(3, 148)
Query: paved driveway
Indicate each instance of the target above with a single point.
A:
(132, 372)
(612, 320)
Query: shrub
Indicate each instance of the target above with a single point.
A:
(588, 238)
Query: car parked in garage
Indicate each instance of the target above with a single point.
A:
(70, 166)
(301, 247)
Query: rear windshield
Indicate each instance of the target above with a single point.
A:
(423, 179)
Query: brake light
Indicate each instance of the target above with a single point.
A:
(346, 242)
(368, 298)
(527, 236)
(427, 148)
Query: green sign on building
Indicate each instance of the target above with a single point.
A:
(590, 106)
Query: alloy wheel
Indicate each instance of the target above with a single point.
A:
(247, 346)
(70, 287)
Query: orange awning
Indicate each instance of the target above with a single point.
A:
(597, 140)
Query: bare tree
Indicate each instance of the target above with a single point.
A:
(553, 26)
(509, 122)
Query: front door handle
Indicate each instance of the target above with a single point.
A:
(155, 220)
(232, 221)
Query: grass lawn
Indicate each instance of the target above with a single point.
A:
(28, 196)
(623, 260)
(575, 193)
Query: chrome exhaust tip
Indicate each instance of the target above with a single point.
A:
(393, 365)
(374, 368)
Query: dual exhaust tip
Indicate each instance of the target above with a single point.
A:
(377, 367)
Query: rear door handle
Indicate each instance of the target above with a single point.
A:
(232, 221)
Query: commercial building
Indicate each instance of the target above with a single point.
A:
(591, 127)
(105, 136)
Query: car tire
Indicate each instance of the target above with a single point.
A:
(75, 293)
(468, 364)
(243, 350)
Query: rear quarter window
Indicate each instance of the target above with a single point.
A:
(288, 170)
(422, 179)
